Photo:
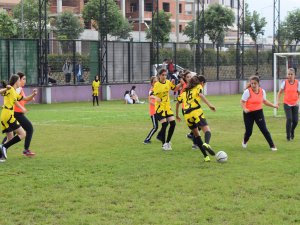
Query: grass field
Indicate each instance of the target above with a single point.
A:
(92, 168)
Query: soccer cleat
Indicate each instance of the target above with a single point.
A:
(195, 147)
(244, 145)
(189, 136)
(208, 148)
(206, 159)
(273, 149)
(167, 147)
(292, 136)
(28, 153)
(3, 151)
(2, 160)
(147, 142)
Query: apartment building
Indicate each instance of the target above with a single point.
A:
(139, 12)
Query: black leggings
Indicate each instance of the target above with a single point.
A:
(154, 129)
(95, 97)
(27, 126)
(292, 117)
(258, 117)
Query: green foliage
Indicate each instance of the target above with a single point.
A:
(192, 28)
(115, 24)
(8, 28)
(254, 24)
(162, 28)
(290, 29)
(185, 58)
(89, 172)
(217, 21)
(68, 26)
(56, 61)
(30, 17)
(165, 53)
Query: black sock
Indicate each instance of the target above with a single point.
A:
(199, 142)
(93, 100)
(97, 100)
(207, 136)
(13, 141)
(171, 130)
(163, 132)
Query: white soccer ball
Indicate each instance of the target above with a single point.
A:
(221, 156)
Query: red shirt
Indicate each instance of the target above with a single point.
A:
(291, 93)
(255, 100)
(22, 102)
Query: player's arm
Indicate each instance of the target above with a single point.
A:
(202, 96)
(177, 109)
(243, 104)
(279, 96)
(268, 103)
(150, 97)
(30, 97)
(3, 90)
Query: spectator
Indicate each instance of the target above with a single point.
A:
(79, 71)
(170, 69)
(134, 96)
(51, 80)
(128, 99)
(67, 70)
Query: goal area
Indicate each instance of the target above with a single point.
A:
(288, 59)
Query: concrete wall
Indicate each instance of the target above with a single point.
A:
(82, 93)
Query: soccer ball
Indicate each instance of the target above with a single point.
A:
(221, 156)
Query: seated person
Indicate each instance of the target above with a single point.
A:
(134, 96)
(128, 99)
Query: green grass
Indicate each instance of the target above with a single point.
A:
(92, 168)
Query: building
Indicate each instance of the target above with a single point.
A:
(139, 12)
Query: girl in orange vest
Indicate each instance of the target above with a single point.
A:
(152, 112)
(291, 89)
(252, 100)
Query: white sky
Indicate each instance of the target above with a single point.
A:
(265, 9)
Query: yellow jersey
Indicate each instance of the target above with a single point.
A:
(10, 97)
(161, 90)
(191, 99)
(95, 86)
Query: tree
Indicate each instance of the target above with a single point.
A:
(115, 23)
(162, 28)
(290, 28)
(218, 19)
(191, 30)
(8, 28)
(67, 26)
(254, 24)
(30, 18)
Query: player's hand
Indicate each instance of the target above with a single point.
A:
(178, 119)
(8, 87)
(34, 91)
(158, 99)
(173, 81)
(246, 110)
(212, 108)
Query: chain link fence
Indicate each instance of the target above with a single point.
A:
(133, 62)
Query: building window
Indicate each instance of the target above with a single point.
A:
(232, 3)
(166, 7)
(180, 8)
(180, 28)
(133, 7)
(188, 9)
(148, 7)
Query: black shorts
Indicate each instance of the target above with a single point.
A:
(12, 126)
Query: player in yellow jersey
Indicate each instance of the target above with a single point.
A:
(9, 124)
(163, 107)
(95, 89)
(193, 113)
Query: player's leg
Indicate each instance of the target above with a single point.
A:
(295, 119)
(153, 130)
(248, 121)
(289, 119)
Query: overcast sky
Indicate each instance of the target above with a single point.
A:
(265, 9)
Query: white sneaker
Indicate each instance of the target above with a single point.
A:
(194, 147)
(2, 160)
(169, 145)
(3, 151)
(273, 149)
(244, 145)
(166, 147)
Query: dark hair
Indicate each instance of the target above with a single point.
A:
(193, 83)
(20, 74)
(13, 79)
(96, 77)
(162, 71)
(201, 78)
(152, 79)
(133, 87)
(3, 83)
(126, 92)
(254, 77)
